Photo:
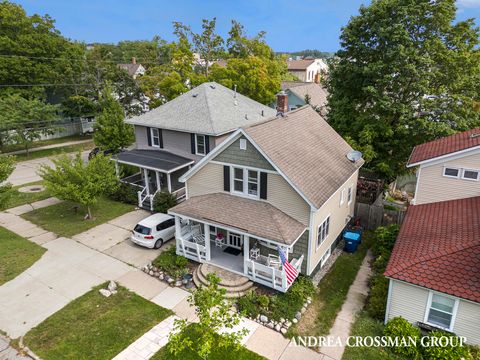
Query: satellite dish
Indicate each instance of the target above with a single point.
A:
(354, 155)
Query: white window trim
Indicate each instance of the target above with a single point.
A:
(429, 305)
(152, 137)
(244, 193)
(243, 144)
(350, 194)
(450, 176)
(342, 197)
(318, 231)
(204, 145)
(322, 260)
(474, 170)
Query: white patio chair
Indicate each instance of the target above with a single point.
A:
(274, 261)
(220, 241)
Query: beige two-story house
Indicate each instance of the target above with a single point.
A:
(173, 137)
(434, 270)
(285, 183)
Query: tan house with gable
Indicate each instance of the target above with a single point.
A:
(283, 183)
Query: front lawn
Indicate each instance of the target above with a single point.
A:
(16, 255)
(67, 219)
(95, 327)
(217, 354)
(18, 198)
(366, 326)
(332, 292)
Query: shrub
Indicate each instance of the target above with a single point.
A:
(288, 304)
(385, 237)
(163, 201)
(263, 301)
(125, 193)
(398, 327)
(474, 352)
(171, 263)
(249, 305)
(377, 299)
(436, 352)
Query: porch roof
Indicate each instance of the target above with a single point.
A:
(160, 160)
(254, 217)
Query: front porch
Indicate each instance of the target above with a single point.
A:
(235, 251)
(157, 171)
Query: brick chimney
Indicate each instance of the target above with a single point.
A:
(134, 60)
(282, 102)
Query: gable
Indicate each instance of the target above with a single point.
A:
(251, 157)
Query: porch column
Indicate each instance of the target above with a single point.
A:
(246, 253)
(157, 176)
(178, 233)
(206, 232)
(147, 182)
(169, 183)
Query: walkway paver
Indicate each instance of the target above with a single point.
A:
(267, 342)
(299, 352)
(142, 284)
(149, 343)
(170, 297)
(353, 305)
(22, 209)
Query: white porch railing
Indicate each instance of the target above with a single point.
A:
(143, 196)
(191, 250)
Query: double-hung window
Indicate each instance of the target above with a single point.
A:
(323, 231)
(155, 137)
(440, 311)
(350, 195)
(200, 148)
(246, 181)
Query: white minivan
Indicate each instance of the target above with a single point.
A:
(154, 230)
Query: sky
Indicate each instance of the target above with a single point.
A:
(290, 25)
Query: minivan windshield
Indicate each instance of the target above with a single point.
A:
(142, 229)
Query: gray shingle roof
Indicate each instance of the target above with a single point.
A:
(311, 154)
(210, 109)
(318, 94)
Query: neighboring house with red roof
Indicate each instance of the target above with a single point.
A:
(447, 168)
(434, 270)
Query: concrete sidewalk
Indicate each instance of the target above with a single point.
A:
(52, 146)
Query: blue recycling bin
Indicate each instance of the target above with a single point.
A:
(352, 239)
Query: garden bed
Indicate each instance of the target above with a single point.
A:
(94, 326)
(16, 254)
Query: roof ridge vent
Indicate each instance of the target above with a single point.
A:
(474, 135)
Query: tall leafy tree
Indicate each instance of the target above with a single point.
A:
(406, 73)
(24, 121)
(111, 131)
(74, 180)
(7, 164)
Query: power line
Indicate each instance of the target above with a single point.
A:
(25, 57)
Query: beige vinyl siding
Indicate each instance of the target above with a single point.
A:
(207, 180)
(338, 219)
(281, 195)
(410, 302)
(433, 186)
(407, 301)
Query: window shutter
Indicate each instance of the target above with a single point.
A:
(160, 135)
(192, 143)
(207, 144)
(263, 185)
(149, 137)
(226, 178)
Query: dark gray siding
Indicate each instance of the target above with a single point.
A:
(301, 248)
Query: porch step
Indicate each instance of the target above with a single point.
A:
(234, 285)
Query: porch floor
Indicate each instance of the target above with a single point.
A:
(225, 260)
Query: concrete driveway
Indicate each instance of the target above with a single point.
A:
(26, 171)
(66, 271)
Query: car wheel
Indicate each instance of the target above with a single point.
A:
(158, 244)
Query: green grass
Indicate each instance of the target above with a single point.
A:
(95, 327)
(332, 292)
(65, 220)
(55, 151)
(16, 255)
(366, 326)
(39, 143)
(217, 353)
(18, 198)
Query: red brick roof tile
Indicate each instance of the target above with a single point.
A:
(446, 145)
(438, 247)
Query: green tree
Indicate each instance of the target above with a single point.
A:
(405, 74)
(23, 121)
(7, 164)
(74, 180)
(111, 131)
(214, 313)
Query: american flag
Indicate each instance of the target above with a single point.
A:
(290, 271)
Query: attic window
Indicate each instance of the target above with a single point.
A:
(243, 144)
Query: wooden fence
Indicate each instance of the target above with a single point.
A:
(373, 216)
